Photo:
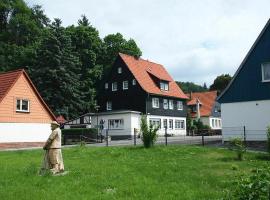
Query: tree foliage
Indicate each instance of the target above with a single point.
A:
(65, 63)
(149, 133)
(188, 87)
(221, 82)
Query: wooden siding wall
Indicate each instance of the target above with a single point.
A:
(23, 90)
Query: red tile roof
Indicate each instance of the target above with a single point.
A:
(142, 71)
(207, 100)
(7, 81)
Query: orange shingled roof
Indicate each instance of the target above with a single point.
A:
(142, 71)
(207, 100)
(7, 81)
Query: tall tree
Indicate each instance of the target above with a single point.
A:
(221, 82)
(89, 48)
(56, 72)
(116, 43)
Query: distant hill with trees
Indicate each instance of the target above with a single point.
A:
(188, 87)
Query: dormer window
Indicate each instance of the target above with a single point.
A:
(119, 70)
(164, 85)
(114, 86)
(266, 72)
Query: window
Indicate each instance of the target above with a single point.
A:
(219, 123)
(165, 125)
(119, 70)
(109, 105)
(125, 85)
(165, 103)
(133, 82)
(114, 86)
(155, 102)
(22, 105)
(170, 124)
(106, 85)
(164, 86)
(194, 109)
(266, 72)
(216, 123)
(171, 104)
(155, 122)
(116, 123)
(179, 124)
(179, 105)
(213, 123)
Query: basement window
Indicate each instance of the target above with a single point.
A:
(22, 105)
(266, 72)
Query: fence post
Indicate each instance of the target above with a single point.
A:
(245, 137)
(202, 139)
(135, 133)
(166, 135)
(107, 137)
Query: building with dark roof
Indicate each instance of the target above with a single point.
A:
(246, 100)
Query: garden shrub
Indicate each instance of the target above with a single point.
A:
(254, 186)
(148, 133)
(237, 145)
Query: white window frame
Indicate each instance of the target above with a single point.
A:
(134, 82)
(165, 124)
(155, 122)
(125, 85)
(180, 105)
(119, 70)
(179, 124)
(114, 86)
(20, 104)
(171, 104)
(108, 105)
(106, 86)
(164, 86)
(262, 67)
(115, 124)
(213, 122)
(165, 104)
(155, 102)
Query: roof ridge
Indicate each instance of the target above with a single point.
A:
(142, 59)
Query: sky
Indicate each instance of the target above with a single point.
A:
(195, 40)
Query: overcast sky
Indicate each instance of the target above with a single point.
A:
(195, 40)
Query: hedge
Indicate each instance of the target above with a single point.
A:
(80, 131)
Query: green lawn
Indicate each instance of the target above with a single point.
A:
(173, 172)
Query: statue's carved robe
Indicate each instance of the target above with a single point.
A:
(53, 159)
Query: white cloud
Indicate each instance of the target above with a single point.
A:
(196, 40)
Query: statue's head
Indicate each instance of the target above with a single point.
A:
(54, 125)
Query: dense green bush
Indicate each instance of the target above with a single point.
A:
(237, 145)
(255, 186)
(148, 133)
(80, 131)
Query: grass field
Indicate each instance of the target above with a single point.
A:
(173, 172)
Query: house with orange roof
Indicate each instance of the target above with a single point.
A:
(203, 106)
(136, 86)
(24, 116)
